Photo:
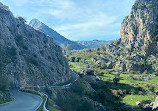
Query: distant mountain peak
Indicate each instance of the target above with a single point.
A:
(59, 39)
(35, 23)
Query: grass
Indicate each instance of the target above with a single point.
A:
(41, 107)
(2, 101)
(5, 95)
(50, 105)
(125, 79)
(76, 66)
(132, 99)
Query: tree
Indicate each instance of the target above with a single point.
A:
(72, 59)
(152, 88)
(22, 19)
(90, 72)
(124, 68)
(116, 79)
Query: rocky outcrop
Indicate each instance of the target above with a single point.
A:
(140, 27)
(137, 47)
(145, 104)
(155, 105)
(27, 56)
(59, 39)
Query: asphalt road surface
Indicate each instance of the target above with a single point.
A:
(22, 102)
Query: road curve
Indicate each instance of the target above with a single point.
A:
(22, 102)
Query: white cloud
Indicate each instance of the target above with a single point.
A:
(94, 25)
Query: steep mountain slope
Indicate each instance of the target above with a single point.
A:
(59, 39)
(137, 47)
(27, 56)
(93, 43)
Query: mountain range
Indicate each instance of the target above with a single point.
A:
(93, 43)
(61, 40)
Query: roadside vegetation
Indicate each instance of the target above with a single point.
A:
(41, 107)
(4, 92)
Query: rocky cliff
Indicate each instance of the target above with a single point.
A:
(59, 39)
(140, 28)
(27, 56)
(137, 46)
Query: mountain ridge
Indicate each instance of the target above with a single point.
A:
(59, 39)
(93, 43)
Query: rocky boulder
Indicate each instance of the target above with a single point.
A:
(145, 104)
(155, 105)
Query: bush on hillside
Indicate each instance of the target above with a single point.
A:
(3, 84)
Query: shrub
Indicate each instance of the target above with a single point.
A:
(152, 88)
(72, 59)
(155, 38)
(77, 59)
(49, 58)
(78, 88)
(11, 54)
(140, 6)
(90, 72)
(19, 40)
(25, 47)
(155, 73)
(22, 19)
(11, 51)
(86, 105)
(32, 60)
(116, 80)
(3, 84)
(149, 6)
(42, 52)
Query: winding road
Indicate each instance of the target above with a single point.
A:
(22, 102)
(29, 102)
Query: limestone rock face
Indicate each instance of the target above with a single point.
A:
(137, 47)
(141, 26)
(29, 57)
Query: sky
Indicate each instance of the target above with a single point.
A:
(76, 19)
